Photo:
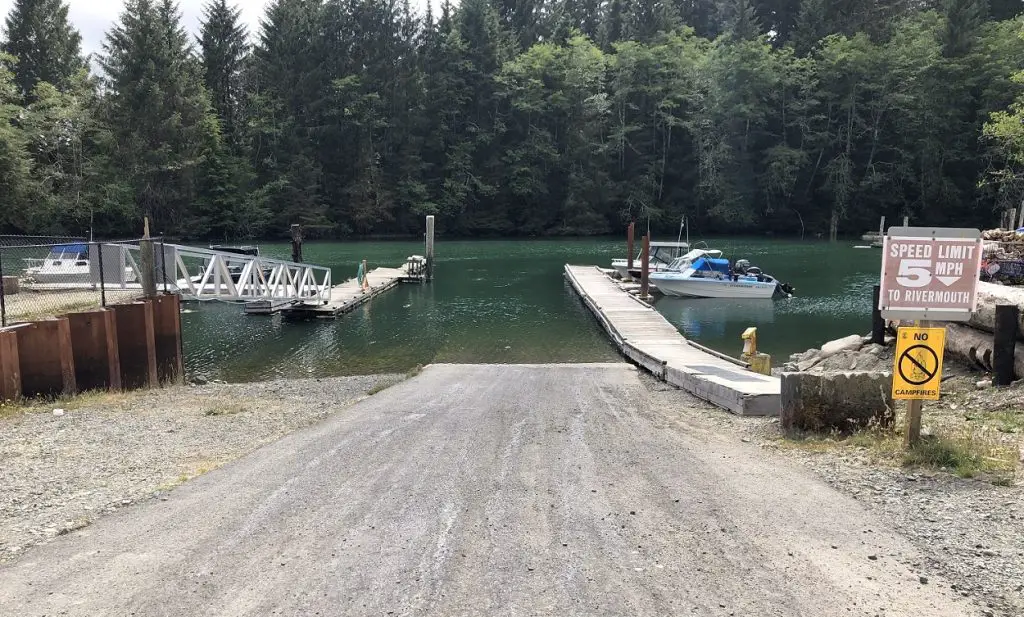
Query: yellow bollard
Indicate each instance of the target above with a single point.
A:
(759, 362)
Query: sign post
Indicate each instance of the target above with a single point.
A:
(928, 274)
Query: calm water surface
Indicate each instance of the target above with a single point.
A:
(507, 301)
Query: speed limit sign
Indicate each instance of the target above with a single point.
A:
(930, 273)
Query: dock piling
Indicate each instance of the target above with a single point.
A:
(430, 247)
(877, 322)
(629, 246)
(296, 232)
(645, 268)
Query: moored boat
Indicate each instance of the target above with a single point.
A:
(662, 254)
(706, 274)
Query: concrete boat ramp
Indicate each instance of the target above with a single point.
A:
(644, 336)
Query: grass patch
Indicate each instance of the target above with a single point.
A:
(380, 387)
(966, 453)
(225, 409)
(1011, 422)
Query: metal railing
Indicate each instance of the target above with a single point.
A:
(42, 280)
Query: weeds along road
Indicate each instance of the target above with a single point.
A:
(489, 490)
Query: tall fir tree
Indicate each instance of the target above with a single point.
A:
(223, 42)
(158, 111)
(39, 34)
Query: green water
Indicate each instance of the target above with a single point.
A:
(507, 301)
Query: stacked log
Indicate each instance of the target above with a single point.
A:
(972, 342)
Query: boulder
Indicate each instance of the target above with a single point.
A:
(849, 343)
(836, 401)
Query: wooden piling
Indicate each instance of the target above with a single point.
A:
(147, 263)
(296, 232)
(10, 369)
(45, 358)
(136, 345)
(645, 267)
(167, 339)
(877, 322)
(94, 347)
(430, 248)
(629, 246)
(1004, 341)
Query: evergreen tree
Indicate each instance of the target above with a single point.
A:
(47, 47)
(158, 111)
(224, 47)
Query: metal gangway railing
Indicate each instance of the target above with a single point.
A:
(209, 274)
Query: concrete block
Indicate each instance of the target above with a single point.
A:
(654, 365)
(842, 401)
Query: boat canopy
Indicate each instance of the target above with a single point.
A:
(712, 264)
(686, 261)
(69, 248)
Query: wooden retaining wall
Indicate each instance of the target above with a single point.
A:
(126, 346)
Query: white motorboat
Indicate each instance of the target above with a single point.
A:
(705, 274)
(65, 263)
(662, 255)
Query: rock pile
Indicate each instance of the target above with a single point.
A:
(851, 353)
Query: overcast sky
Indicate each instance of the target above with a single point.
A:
(94, 17)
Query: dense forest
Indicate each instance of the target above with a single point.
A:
(513, 117)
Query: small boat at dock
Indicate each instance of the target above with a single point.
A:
(662, 254)
(704, 273)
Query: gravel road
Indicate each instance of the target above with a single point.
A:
(491, 490)
(107, 451)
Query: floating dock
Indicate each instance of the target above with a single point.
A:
(344, 297)
(644, 336)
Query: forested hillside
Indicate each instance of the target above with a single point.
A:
(513, 117)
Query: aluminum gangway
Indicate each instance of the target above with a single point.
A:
(209, 274)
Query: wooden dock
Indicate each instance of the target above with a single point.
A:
(344, 297)
(644, 336)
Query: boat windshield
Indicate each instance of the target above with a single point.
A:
(667, 253)
(69, 252)
(687, 260)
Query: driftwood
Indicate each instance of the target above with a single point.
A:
(975, 348)
(990, 296)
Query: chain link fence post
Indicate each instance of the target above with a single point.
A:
(3, 292)
(103, 279)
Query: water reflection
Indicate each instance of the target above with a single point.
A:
(712, 318)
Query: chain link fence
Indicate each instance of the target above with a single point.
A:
(45, 277)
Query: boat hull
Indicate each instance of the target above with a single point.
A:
(712, 288)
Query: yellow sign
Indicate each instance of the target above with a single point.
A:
(918, 370)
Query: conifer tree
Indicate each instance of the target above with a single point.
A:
(47, 47)
(157, 109)
(224, 47)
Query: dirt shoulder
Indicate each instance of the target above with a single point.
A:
(60, 470)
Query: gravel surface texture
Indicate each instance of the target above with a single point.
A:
(968, 530)
(492, 490)
(60, 470)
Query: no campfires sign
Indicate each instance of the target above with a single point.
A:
(930, 273)
(918, 370)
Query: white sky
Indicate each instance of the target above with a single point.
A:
(94, 17)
